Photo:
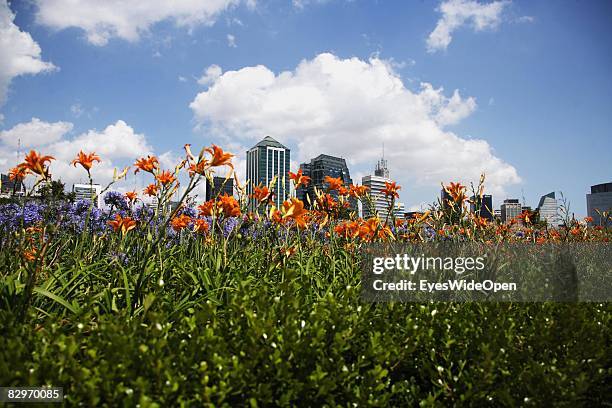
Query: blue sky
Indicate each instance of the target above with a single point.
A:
(533, 84)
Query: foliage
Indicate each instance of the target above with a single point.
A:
(229, 305)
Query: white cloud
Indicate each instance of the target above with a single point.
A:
(77, 110)
(117, 145)
(300, 4)
(525, 19)
(210, 75)
(456, 13)
(34, 133)
(231, 41)
(128, 20)
(182, 78)
(349, 107)
(19, 53)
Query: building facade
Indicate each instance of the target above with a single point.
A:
(317, 169)
(548, 209)
(86, 192)
(267, 165)
(219, 186)
(510, 209)
(376, 184)
(600, 200)
(482, 206)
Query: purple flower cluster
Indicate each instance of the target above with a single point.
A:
(13, 216)
(116, 200)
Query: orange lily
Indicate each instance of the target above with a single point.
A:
(131, 195)
(333, 183)
(299, 179)
(230, 206)
(124, 225)
(206, 209)
(219, 157)
(149, 164)
(357, 191)
(262, 194)
(456, 191)
(180, 222)
(86, 160)
(35, 163)
(166, 177)
(18, 173)
(391, 189)
(200, 226)
(151, 190)
(294, 209)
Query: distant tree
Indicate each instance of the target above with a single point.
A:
(55, 191)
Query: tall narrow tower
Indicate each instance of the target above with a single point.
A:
(382, 169)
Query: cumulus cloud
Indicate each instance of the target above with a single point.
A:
(117, 144)
(349, 107)
(456, 13)
(103, 20)
(34, 133)
(19, 53)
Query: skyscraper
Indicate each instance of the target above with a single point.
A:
(219, 186)
(86, 192)
(483, 206)
(320, 167)
(599, 199)
(548, 208)
(510, 209)
(265, 161)
(376, 184)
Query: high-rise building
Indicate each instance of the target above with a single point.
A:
(483, 206)
(376, 184)
(510, 209)
(548, 209)
(87, 192)
(9, 187)
(266, 161)
(219, 186)
(600, 200)
(320, 167)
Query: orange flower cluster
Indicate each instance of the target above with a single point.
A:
(225, 205)
(179, 222)
(366, 230)
(122, 224)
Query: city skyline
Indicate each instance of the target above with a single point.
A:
(452, 88)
